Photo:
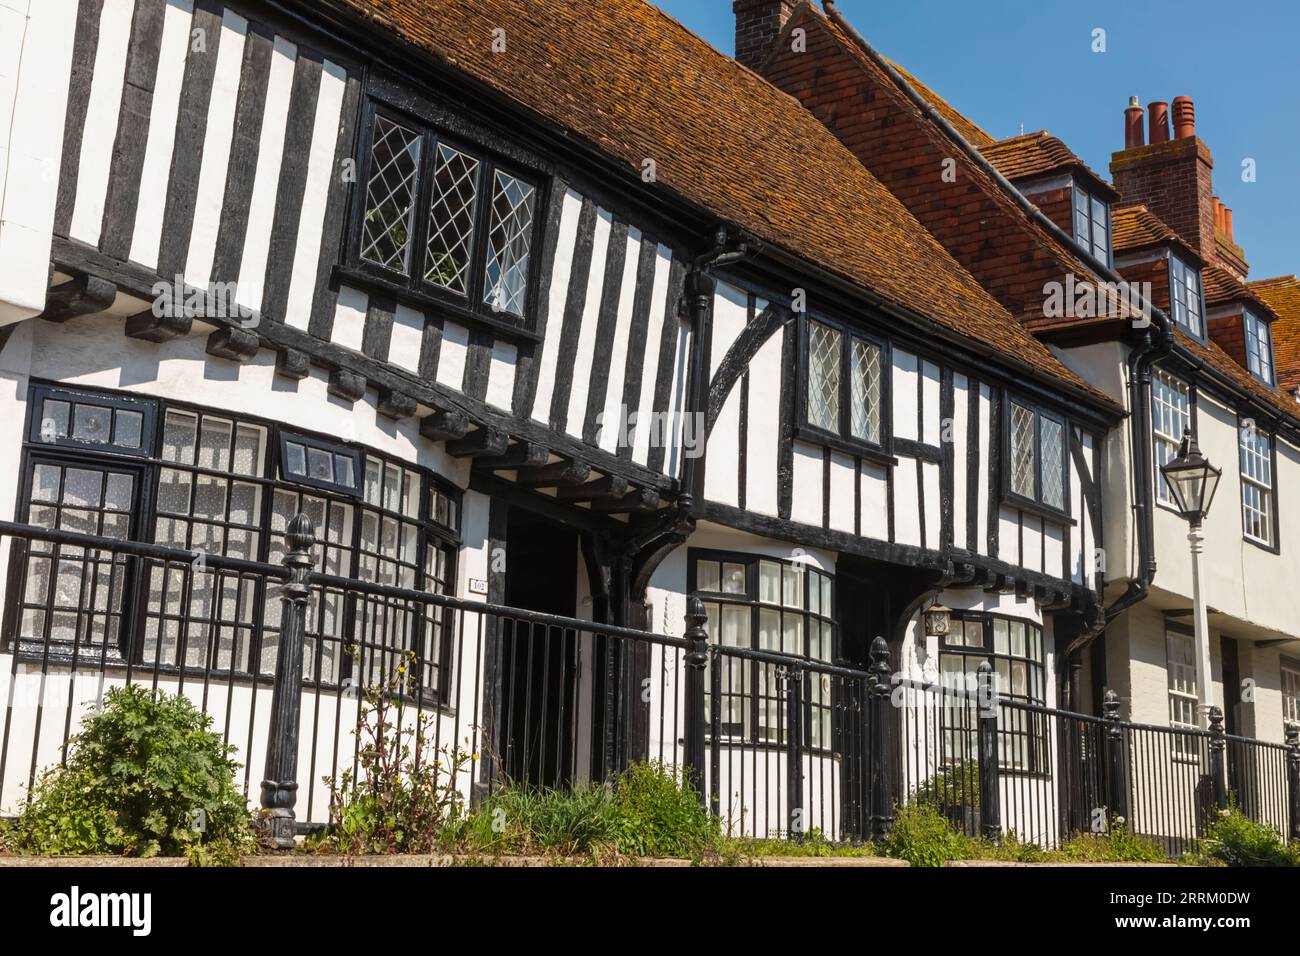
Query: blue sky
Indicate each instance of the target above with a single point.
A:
(1004, 63)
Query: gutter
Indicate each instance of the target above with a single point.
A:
(1157, 342)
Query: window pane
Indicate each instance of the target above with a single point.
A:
(451, 219)
(54, 420)
(1022, 450)
(708, 576)
(792, 590)
(390, 195)
(865, 391)
(769, 582)
(295, 459)
(823, 377)
(1001, 640)
(92, 423)
(733, 579)
(1052, 438)
(735, 626)
(509, 241)
(128, 428)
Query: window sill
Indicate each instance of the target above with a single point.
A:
(875, 454)
(369, 282)
(1262, 545)
(1042, 511)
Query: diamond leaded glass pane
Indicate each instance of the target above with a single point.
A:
(390, 196)
(1022, 451)
(509, 240)
(1052, 435)
(823, 377)
(865, 391)
(451, 219)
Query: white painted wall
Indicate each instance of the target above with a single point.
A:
(36, 38)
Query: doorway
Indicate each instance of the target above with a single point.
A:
(539, 663)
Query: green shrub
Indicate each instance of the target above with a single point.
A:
(658, 814)
(403, 798)
(1236, 840)
(645, 811)
(146, 776)
(923, 837)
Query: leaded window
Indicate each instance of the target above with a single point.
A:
(469, 241)
(1036, 446)
(845, 384)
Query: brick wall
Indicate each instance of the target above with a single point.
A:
(758, 23)
(965, 210)
(1057, 205)
(1175, 181)
(1229, 331)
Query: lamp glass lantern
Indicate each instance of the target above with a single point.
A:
(938, 620)
(1191, 480)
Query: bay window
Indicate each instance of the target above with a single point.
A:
(1014, 648)
(766, 604)
(213, 483)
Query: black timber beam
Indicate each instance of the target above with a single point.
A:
(486, 441)
(611, 487)
(558, 474)
(82, 295)
(640, 500)
(522, 454)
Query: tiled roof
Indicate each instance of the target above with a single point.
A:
(1283, 296)
(1034, 154)
(634, 83)
(1216, 357)
(1136, 227)
(1221, 286)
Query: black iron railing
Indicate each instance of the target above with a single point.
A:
(778, 746)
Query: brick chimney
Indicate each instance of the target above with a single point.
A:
(758, 24)
(1171, 177)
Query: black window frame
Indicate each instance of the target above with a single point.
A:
(1039, 742)
(469, 307)
(1036, 504)
(1174, 301)
(1247, 319)
(331, 448)
(844, 440)
(40, 393)
(149, 466)
(1087, 243)
(750, 600)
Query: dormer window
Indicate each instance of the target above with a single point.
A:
(1092, 224)
(1185, 295)
(1259, 348)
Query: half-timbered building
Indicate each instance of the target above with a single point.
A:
(1187, 347)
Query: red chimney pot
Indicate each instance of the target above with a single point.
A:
(1133, 132)
(1227, 222)
(1184, 117)
(1158, 121)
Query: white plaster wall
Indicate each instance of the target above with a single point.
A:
(36, 38)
